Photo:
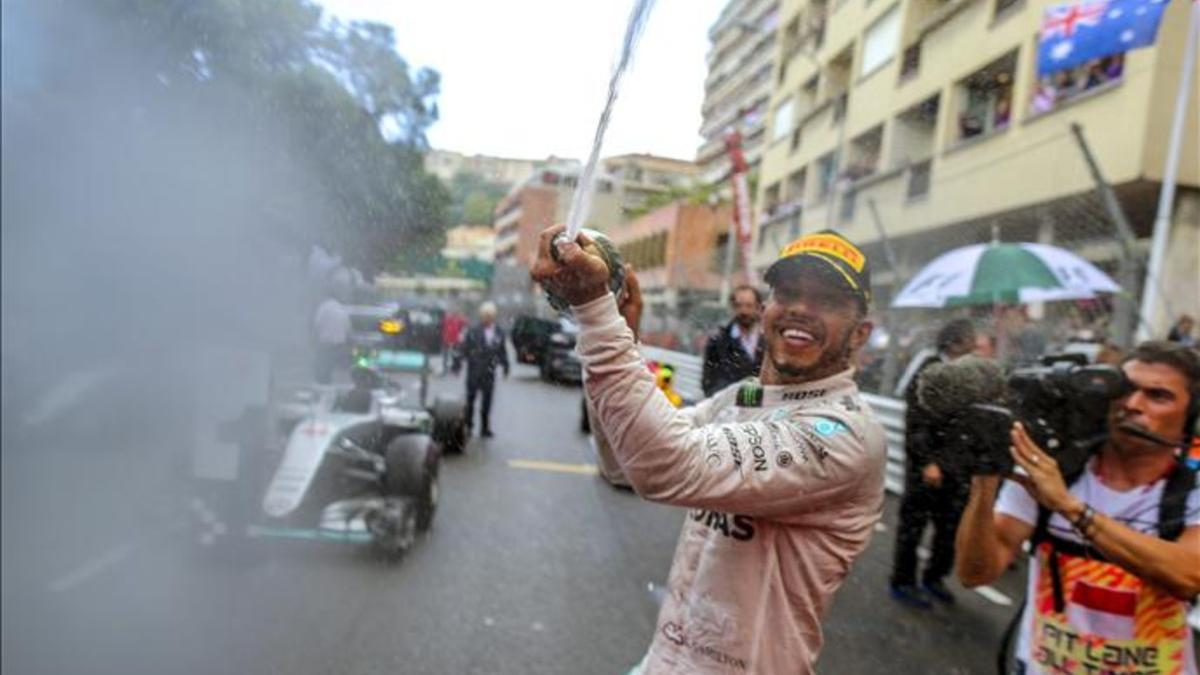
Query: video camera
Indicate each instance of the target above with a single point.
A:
(1063, 404)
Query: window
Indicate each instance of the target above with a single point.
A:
(863, 158)
(784, 119)
(795, 185)
(839, 106)
(910, 64)
(647, 252)
(791, 44)
(825, 176)
(1003, 6)
(720, 251)
(913, 134)
(880, 41)
(986, 98)
(849, 200)
(771, 199)
(918, 179)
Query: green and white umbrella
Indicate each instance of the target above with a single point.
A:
(984, 274)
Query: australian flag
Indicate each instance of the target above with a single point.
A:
(1076, 33)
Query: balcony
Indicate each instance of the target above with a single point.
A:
(757, 48)
(781, 211)
(507, 211)
(985, 99)
(805, 33)
(507, 244)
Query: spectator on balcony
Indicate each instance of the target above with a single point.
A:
(1095, 75)
(1065, 84)
(1114, 66)
(1044, 97)
(1003, 111)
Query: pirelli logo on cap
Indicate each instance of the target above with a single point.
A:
(826, 244)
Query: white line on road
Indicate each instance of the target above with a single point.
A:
(994, 596)
(91, 568)
(561, 467)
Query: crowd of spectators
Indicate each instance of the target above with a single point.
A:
(1064, 85)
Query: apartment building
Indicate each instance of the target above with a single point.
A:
(926, 119)
(470, 242)
(679, 263)
(446, 163)
(741, 68)
(626, 184)
(639, 180)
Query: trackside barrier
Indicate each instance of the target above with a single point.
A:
(889, 411)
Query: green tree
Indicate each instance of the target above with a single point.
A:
(337, 98)
(474, 199)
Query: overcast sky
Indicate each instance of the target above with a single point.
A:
(527, 78)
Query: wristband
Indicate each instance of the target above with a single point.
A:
(1084, 521)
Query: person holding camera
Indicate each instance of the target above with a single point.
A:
(783, 475)
(935, 489)
(1115, 550)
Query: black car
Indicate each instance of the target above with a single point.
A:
(548, 344)
(391, 326)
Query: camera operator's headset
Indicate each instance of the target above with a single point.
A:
(1172, 510)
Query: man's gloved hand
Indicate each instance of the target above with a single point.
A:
(578, 276)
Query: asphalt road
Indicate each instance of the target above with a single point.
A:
(532, 567)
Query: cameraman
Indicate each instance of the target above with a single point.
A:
(1108, 587)
(783, 474)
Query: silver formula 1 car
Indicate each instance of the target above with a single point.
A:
(355, 464)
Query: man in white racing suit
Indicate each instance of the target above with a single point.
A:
(783, 474)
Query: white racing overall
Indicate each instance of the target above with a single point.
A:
(784, 491)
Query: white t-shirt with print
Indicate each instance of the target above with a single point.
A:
(1110, 612)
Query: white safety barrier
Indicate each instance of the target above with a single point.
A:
(889, 411)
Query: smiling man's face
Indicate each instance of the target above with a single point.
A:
(812, 324)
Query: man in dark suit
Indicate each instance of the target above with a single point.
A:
(736, 351)
(935, 491)
(483, 349)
